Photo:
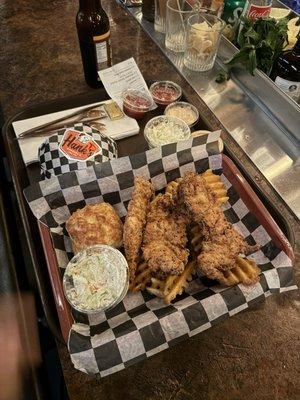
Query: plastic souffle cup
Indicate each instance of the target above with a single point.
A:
(163, 130)
(96, 279)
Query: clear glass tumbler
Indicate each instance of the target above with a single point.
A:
(202, 41)
(178, 12)
(160, 16)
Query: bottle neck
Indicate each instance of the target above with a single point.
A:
(90, 5)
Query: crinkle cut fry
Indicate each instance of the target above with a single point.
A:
(215, 184)
(173, 285)
(172, 187)
(142, 278)
(244, 271)
(196, 238)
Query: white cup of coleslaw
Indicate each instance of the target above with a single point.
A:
(165, 129)
(96, 279)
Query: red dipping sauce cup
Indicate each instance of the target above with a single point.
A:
(136, 103)
(165, 92)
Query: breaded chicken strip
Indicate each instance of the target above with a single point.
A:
(165, 239)
(195, 194)
(135, 222)
(221, 249)
(221, 242)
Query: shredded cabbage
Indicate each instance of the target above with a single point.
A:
(97, 282)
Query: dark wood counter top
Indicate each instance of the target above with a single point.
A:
(255, 354)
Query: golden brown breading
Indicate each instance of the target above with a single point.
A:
(95, 224)
(220, 254)
(135, 222)
(165, 239)
(222, 244)
(196, 195)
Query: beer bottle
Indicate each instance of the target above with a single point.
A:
(94, 39)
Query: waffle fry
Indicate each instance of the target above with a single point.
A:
(142, 278)
(172, 187)
(245, 271)
(173, 285)
(216, 185)
(154, 200)
(196, 238)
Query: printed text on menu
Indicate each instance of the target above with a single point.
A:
(122, 76)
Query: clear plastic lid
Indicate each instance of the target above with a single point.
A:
(137, 99)
(165, 92)
(162, 130)
(96, 279)
(182, 110)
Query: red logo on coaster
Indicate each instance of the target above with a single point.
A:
(78, 145)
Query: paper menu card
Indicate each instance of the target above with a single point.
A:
(122, 76)
(117, 129)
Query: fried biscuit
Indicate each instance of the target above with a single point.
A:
(95, 224)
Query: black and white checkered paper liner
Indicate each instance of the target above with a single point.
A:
(142, 325)
(54, 162)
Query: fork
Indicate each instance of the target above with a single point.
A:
(88, 114)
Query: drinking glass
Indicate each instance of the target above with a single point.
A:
(177, 14)
(160, 16)
(202, 41)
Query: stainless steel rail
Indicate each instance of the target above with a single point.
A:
(261, 118)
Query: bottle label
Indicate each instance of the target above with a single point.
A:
(289, 87)
(234, 17)
(78, 146)
(255, 11)
(102, 45)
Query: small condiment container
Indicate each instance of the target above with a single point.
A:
(96, 279)
(182, 110)
(165, 92)
(136, 103)
(162, 130)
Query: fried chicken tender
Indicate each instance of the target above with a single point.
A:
(95, 224)
(222, 244)
(165, 238)
(135, 222)
(196, 195)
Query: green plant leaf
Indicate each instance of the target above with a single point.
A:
(240, 57)
(222, 76)
(252, 62)
(261, 41)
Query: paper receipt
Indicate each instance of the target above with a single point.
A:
(122, 76)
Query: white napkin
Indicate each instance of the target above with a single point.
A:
(117, 129)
